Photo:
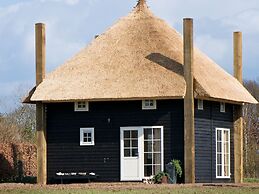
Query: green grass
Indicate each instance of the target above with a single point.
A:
(251, 180)
(196, 190)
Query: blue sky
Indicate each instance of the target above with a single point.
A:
(72, 24)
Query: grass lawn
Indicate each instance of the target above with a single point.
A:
(251, 180)
(120, 190)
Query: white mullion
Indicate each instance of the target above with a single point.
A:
(228, 152)
(152, 140)
(130, 148)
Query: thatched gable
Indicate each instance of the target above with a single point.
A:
(139, 57)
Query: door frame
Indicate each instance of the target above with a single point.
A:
(140, 158)
(141, 150)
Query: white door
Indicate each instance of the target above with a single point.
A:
(131, 168)
(141, 152)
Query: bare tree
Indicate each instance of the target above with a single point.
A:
(18, 125)
(251, 131)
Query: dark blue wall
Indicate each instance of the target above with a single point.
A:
(65, 153)
(206, 122)
(63, 126)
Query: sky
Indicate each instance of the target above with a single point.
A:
(72, 24)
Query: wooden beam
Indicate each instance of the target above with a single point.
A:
(238, 58)
(40, 109)
(189, 140)
(238, 112)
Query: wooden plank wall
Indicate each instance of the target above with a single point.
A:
(65, 154)
(206, 122)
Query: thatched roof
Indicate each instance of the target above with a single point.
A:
(139, 57)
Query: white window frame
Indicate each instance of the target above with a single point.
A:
(200, 104)
(222, 107)
(86, 130)
(222, 154)
(162, 147)
(145, 107)
(141, 149)
(79, 109)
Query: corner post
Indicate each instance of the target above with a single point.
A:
(238, 111)
(189, 139)
(40, 108)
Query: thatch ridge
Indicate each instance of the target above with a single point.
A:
(139, 57)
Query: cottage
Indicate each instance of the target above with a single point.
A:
(135, 98)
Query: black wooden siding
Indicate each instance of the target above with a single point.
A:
(206, 122)
(65, 154)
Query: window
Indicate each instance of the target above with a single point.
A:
(148, 104)
(81, 106)
(222, 107)
(222, 153)
(130, 143)
(200, 104)
(86, 136)
(152, 151)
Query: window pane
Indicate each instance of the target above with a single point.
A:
(156, 133)
(151, 103)
(81, 104)
(219, 173)
(148, 170)
(89, 139)
(135, 143)
(226, 147)
(226, 159)
(85, 134)
(147, 134)
(89, 134)
(147, 146)
(126, 134)
(226, 171)
(218, 135)
(157, 146)
(147, 103)
(219, 159)
(134, 152)
(156, 169)
(157, 159)
(219, 148)
(222, 107)
(126, 152)
(127, 143)
(134, 134)
(147, 158)
(85, 139)
(225, 135)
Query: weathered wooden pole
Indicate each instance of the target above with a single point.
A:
(189, 141)
(40, 109)
(238, 57)
(238, 112)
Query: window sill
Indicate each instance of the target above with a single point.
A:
(223, 177)
(87, 144)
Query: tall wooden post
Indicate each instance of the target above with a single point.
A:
(238, 112)
(238, 58)
(189, 140)
(40, 109)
